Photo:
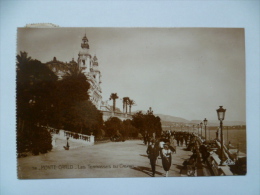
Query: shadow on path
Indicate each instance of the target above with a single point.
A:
(146, 170)
(144, 155)
(178, 166)
(141, 144)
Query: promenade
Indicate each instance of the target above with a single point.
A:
(104, 160)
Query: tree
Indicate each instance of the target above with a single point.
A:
(42, 100)
(113, 126)
(147, 123)
(113, 97)
(125, 99)
(130, 103)
(128, 129)
(74, 70)
(83, 117)
(35, 85)
(74, 110)
(138, 121)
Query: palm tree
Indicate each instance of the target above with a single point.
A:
(113, 97)
(125, 99)
(130, 103)
(22, 62)
(22, 59)
(73, 71)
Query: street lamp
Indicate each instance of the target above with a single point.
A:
(201, 129)
(205, 124)
(198, 129)
(227, 142)
(221, 116)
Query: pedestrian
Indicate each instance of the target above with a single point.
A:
(161, 146)
(149, 140)
(172, 145)
(153, 153)
(181, 140)
(157, 146)
(186, 137)
(166, 158)
(204, 152)
(177, 137)
(190, 165)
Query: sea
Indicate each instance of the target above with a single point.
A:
(236, 137)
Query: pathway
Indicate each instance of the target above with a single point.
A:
(112, 159)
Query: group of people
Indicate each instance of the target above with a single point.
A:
(164, 148)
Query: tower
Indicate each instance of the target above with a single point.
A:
(96, 72)
(90, 68)
(84, 58)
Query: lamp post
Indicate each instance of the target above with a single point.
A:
(221, 116)
(198, 125)
(227, 139)
(205, 124)
(201, 129)
(193, 128)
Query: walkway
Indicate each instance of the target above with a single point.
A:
(113, 159)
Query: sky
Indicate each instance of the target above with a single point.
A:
(182, 72)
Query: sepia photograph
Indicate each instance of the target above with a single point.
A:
(130, 102)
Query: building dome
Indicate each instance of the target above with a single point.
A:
(83, 52)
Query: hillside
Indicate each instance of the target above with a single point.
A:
(166, 119)
(169, 120)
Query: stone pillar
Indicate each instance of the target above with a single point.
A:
(92, 139)
(53, 141)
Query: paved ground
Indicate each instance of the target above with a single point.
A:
(112, 159)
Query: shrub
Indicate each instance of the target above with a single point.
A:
(34, 139)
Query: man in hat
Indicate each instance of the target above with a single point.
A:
(153, 153)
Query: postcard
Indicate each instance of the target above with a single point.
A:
(130, 102)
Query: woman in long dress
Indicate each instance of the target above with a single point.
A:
(166, 158)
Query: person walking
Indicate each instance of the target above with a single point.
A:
(177, 137)
(181, 139)
(161, 146)
(166, 158)
(153, 153)
(204, 152)
(172, 145)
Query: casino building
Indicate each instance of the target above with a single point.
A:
(89, 66)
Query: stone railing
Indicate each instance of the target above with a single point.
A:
(120, 115)
(72, 136)
(213, 161)
(79, 137)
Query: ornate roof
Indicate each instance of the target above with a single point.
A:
(84, 43)
(85, 39)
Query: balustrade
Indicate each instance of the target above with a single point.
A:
(76, 137)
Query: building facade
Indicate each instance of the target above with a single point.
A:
(89, 66)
